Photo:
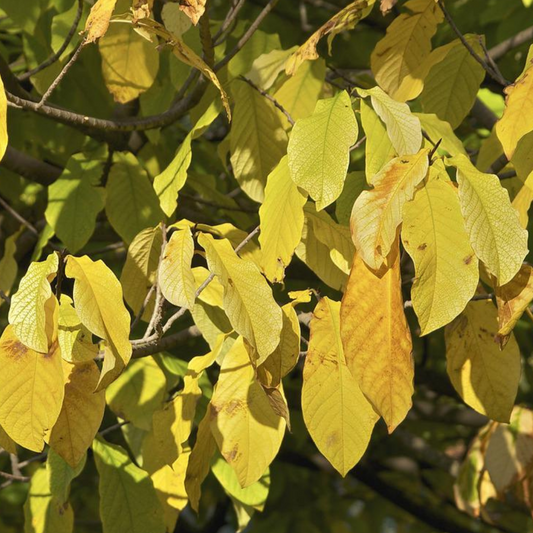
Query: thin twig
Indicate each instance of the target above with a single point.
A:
(247, 35)
(219, 206)
(61, 75)
(14, 477)
(495, 75)
(144, 305)
(206, 40)
(358, 143)
(476, 298)
(520, 38)
(231, 17)
(112, 428)
(55, 57)
(269, 98)
(18, 217)
(5, 297)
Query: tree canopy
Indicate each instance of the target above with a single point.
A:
(265, 266)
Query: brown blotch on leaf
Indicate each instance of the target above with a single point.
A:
(422, 246)
(15, 349)
(468, 259)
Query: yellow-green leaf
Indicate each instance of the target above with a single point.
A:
(98, 19)
(129, 62)
(175, 277)
(42, 512)
(403, 128)
(8, 265)
(128, 502)
(377, 213)
(319, 148)
(81, 414)
(491, 222)
(27, 313)
(484, 376)
(446, 268)
(131, 203)
(247, 431)
(257, 140)
(266, 67)
(345, 19)
(74, 200)
(376, 338)
(61, 475)
(31, 390)
(138, 392)
(397, 58)
(98, 301)
(3, 121)
(282, 219)
(451, 86)
(248, 300)
(438, 129)
(339, 418)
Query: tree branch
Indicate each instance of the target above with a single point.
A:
(166, 343)
(30, 168)
(498, 51)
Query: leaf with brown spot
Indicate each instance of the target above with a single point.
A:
(98, 20)
(194, 9)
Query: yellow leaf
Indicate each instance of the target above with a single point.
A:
(319, 148)
(194, 9)
(266, 67)
(376, 338)
(27, 313)
(247, 431)
(81, 414)
(282, 218)
(140, 269)
(451, 86)
(491, 221)
(8, 265)
(257, 140)
(248, 300)
(397, 57)
(403, 128)
(517, 116)
(42, 512)
(377, 213)
(512, 299)
(284, 358)
(138, 392)
(128, 501)
(378, 146)
(31, 390)
(438, 129)
(484, 376)
(338, 416)
(213, 293)
(98, 301)
(129, 62)
(200, 461)
(446, 268)
(74, 338)
(175, 278)
(98, 19)
(345, 19)
(3, 121)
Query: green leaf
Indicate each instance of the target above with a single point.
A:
(74, 200)
(257, 140)
(319, 149)
(131, 203)
(128, 502)
(3, 121)
(61, 475)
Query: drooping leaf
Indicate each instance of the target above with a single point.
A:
(61, 475)
(397, 58)
(128, 502)
(74, 200)
(98, 301)
(8, 265)
(42, 512)
(81, 414)
(129, 62)
(282, 218)
(438, 129)
(140, 269)
(484, 376)
(319, 149)
(345, 19)
(266, 67)
(377, 213)
(339, 418)
(27, 312)
(138, 392)
(451, 85)
(403, 128)
(248, 300)
(3, 121)
(354, 185)
(491, 221)
(194, 9)
(247, 431)
(175, 276)
(512, 299)
(376, 338)
(131, 203)
(257, 140)
(446, 268)
(98, 19)
(31, 390)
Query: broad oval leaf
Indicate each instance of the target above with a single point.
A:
(98, 19)
(319, 148)
(339, 418)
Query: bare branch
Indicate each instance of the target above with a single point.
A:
(5, 297)
(520, 38)
(18, 216)
(206, 40)
(14, 477)
(231, 17)
(166, 343)
(30, 168)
